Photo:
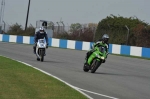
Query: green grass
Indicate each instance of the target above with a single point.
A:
(18, 81)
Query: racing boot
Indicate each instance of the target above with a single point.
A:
(87, 56)
(38, 59)
(87, 66)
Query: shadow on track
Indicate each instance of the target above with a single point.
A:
(50, 61)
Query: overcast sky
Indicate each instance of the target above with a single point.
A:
(73, 11)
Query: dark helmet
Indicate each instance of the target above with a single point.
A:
(105, 38)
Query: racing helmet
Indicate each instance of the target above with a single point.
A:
(105, 38)
(41, 30)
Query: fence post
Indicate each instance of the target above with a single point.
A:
(4, 25)
(94, 28)
(127, 34)
(58, 28)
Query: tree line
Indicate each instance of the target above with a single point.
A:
(117, 28)
(122, 30)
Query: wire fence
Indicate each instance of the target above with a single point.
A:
(4, 28)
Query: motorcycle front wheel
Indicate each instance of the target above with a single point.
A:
(94, 66)
(42, 52)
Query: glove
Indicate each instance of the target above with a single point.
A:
(107, 54)
(35, 43)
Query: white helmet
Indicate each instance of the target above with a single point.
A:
(41, 30)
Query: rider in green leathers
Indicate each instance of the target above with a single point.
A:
(101, 42)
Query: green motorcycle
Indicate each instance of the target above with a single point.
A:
(95, 59)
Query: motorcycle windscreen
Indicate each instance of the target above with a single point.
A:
(41, 41)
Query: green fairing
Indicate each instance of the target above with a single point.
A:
(100, 44)
(97, 52)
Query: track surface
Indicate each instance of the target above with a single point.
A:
(120, 77)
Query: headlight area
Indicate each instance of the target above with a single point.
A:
(42, 45)
(102, 57)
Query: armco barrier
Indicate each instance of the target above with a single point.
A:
(80, 45)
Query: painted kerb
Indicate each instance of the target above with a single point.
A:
(79, 45)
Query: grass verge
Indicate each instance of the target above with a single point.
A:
(18, 81)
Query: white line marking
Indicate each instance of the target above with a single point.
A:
(76, 88)
(97, 93)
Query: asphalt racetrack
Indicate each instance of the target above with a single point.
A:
(119, 78)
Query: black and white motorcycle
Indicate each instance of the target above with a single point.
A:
(41, 49)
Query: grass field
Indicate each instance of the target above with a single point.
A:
(18, 81)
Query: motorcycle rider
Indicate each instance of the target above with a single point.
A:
(41, 34)
(103, 41)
